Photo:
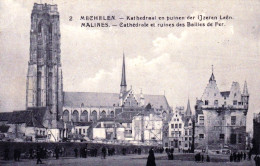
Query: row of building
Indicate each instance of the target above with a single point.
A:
(51, 114)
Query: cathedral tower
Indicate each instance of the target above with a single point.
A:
(44, 78)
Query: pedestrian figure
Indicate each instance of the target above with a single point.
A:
(57, 152)
(244, 155)
(235, 157)
(76, 152)
(256, 164)
(31, 153)
(151, 159)
(39, 155)
(6, 154)
(202, 158)
(104, 152)
(208, 159)
(231, 158)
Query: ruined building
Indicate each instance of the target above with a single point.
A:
(221, 117)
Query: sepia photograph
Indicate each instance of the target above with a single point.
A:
(133, 83)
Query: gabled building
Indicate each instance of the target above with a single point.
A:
(221, 117)
(180, 128)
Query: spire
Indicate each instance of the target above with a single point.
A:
(123, 78)
(212, 78)
(245, 90)
(188, 110)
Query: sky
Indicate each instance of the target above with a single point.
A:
(175, 61)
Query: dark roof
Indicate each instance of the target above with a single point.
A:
(127, 115)
(33, 117)
(225, 94)
(5, 116)
(100, 99)
(82, 123)
(92, 99)
(106, 119)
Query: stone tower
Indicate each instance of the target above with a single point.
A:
(44, 78)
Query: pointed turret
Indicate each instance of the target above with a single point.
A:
(188, 110)
(245, 97)
(212, 78)
(123, 78)
(245, 90)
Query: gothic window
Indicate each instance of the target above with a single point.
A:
(172, 133)
(103, 114)
(176, 126)
(39, 80)
(201, 136)
(82, 105)
(186, 132)
(234, 102)
(65, 116)
(75, 116)
(40, 27)
(206, 102)
(50, 88)
(94, 116)
(172, 125)
(180, 126)
(233, 120)
(112, 114)
(84, 116)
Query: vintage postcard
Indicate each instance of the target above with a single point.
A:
(111, 83)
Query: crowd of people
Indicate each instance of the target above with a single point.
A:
(238, 156)
(42, 153)
(200, 158)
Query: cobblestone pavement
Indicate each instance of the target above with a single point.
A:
(130, 160)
